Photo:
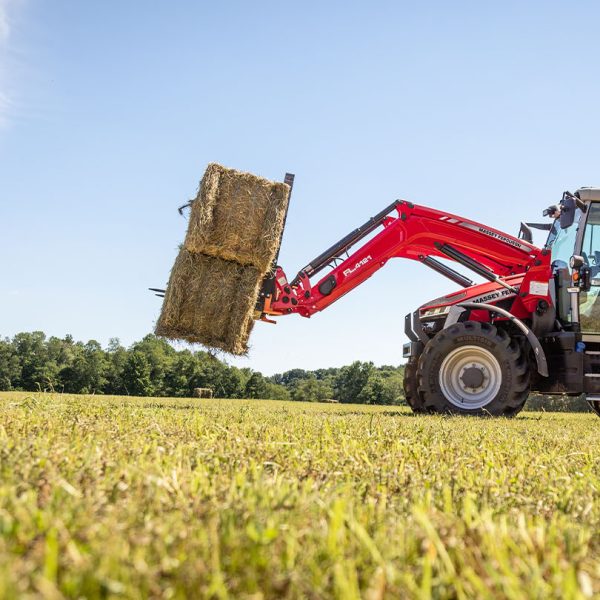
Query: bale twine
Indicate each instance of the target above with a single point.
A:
(237, 216)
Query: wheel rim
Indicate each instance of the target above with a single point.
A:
(470, 377)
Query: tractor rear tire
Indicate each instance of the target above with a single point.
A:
(473, 368)
(410, 384)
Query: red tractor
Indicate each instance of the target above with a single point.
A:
(534, 325)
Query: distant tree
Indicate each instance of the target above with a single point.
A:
(152, 366)
(289, 377)
(311, 390)
(62, 351)
(376, 390)
(10, 367)
(256, 386)
(393, 388)
(87, 371)
(116, 358)
(232, 383)
(276, 391)
(38, 369)
(179, 379)
(137, 374)
(350, 382)
(326, 374)
(160, 355)
(212, 373)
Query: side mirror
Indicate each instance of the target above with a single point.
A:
(567, 213)
(525, 233)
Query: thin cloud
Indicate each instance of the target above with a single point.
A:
(6, 11)
(5, 106)
(4, 26)
(7, 8)
(4, 22)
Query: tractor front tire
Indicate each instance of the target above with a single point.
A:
(473, 368)
(410, 384)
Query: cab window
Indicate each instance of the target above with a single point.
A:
(589, 300)
(591, 240)
(562, 241)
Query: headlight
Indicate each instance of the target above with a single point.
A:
(435, 312)
(576, 262)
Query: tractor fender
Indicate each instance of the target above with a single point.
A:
(540, 356)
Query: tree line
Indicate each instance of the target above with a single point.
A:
(32, 361)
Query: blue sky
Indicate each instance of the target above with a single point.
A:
(110, 111)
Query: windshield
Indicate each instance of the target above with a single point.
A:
(562, 241)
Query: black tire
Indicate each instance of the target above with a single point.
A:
(473, 368)
(595, 406)
(410, 384)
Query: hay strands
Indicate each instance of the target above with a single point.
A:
(223, 269)
(237, 216)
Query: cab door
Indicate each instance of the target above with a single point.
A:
(563, 243)
(589, 299)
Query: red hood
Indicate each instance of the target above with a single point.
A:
(488, 293)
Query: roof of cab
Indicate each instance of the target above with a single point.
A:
(588, 194)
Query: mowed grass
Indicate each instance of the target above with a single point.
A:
(117, 497)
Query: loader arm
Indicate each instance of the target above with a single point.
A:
(405, 230)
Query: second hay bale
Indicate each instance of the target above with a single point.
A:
(211, 301)
(238, 217)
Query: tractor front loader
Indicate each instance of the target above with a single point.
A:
(534, 325)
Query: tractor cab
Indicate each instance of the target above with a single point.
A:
(574, 241)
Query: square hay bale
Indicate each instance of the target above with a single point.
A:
(210, 301)
(237, 216)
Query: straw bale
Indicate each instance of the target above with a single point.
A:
(237, 216)
(210, 301)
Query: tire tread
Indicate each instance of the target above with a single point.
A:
(434, 401)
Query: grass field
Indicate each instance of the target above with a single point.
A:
(115, 497)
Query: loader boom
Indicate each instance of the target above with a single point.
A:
(418, 233)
